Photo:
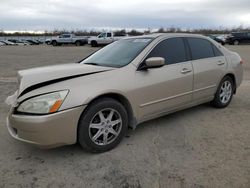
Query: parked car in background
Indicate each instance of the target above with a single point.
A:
(217, 39)
(39, 41)
(68, 39)
(222, 37)
(2, 44)
(104, 39)
(18, 42)
(32, 42)
(238, 38)
(119, 86)
(47, 41)
(6, 42)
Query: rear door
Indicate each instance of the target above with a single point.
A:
(209, 65)
(166, 88)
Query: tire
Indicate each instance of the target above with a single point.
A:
(78, 43)
(236, 42)
(54, 43)
(94, 44)
(92, 130)
(224, 93)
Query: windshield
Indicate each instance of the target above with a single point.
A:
(118, 54)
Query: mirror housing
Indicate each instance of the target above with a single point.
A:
(152, 62)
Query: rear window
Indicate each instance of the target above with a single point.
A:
(200, 48)
(239, 34)
(217, 52)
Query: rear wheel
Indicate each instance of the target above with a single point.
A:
(236, 42)
(78, 43)
(54, 43)
(224, 93)
(103, 125)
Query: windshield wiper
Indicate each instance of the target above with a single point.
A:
(92, 64)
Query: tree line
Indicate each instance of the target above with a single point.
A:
(133, 32)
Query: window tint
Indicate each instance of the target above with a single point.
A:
(102, 35)
(66, 36)
(108, 34)
(200, 48)
(173, 50)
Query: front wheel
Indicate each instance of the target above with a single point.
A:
(224, 93)
(103, 125)
(94, 44)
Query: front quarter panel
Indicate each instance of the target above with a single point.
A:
(83, 90)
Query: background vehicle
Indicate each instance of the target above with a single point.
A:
(9, 43)
(238, 38)
(217, 39)
(103, 39)
(19, 42)
(222, 37)
(47, 41)
(33, 42)
(2, 44)
(6, 42)
(68, 39)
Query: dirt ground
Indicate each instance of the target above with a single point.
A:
(196, 148)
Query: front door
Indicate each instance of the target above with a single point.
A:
(166, 88)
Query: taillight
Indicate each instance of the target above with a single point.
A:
(241, 62)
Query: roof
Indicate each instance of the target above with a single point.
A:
(156, 35)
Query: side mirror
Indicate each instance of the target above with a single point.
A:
(152, 62)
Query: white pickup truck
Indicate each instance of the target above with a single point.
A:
(68, 39)
(104, 39)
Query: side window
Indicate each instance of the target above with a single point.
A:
(173, 50)
(217, 52)
(108, 34)
(200, 48)
(102, 35)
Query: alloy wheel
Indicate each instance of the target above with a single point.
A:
(105, 126)
(226, 92)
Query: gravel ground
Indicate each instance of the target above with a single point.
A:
(194, 148)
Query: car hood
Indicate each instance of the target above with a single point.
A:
(34, 78)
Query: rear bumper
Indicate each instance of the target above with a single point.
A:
(46, 131)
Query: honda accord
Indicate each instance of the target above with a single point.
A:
(94, 102)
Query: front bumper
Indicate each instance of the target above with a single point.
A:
(46, 131)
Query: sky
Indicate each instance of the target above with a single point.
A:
(40, 15)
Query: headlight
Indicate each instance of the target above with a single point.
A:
(43, 104)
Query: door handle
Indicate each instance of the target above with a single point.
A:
(185, 70)
(220, 62)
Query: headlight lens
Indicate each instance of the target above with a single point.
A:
(43, 104)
